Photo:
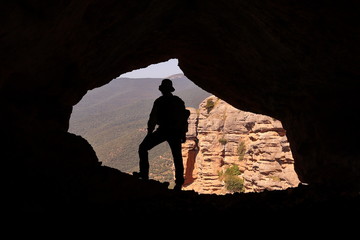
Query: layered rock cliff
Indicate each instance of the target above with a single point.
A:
(221, 137)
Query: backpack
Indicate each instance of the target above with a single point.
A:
(186, 115)
(182, 115)
(173, 114)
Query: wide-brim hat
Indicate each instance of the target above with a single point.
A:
(166, 85)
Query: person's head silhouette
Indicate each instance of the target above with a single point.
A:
(166, 86)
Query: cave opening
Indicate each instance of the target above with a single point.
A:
(292, 60)
(227, 150)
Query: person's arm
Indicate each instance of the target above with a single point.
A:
(152, 119)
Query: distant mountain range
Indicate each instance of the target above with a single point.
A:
(113, 120)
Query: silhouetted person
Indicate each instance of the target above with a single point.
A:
(170, 114)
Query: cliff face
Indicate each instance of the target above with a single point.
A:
(221, 136)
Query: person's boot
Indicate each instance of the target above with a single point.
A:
(178, 187)
(178, 184)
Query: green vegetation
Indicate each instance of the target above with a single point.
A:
(209, 105)
(233, 182)
(233, 170)
(275, 178)
(241, 150)
(223, 140)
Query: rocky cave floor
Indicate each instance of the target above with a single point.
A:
(121, 194)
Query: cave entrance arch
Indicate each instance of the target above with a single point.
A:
(113, 118)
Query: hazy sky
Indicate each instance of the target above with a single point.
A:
(159, 70)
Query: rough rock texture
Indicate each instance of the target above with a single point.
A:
(213, 142)
(297, 61)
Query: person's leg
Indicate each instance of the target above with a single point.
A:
(150, 141)
(175, 146)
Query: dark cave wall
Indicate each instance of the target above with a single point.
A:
(294, 60)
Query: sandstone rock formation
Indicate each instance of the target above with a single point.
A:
(220, 136)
